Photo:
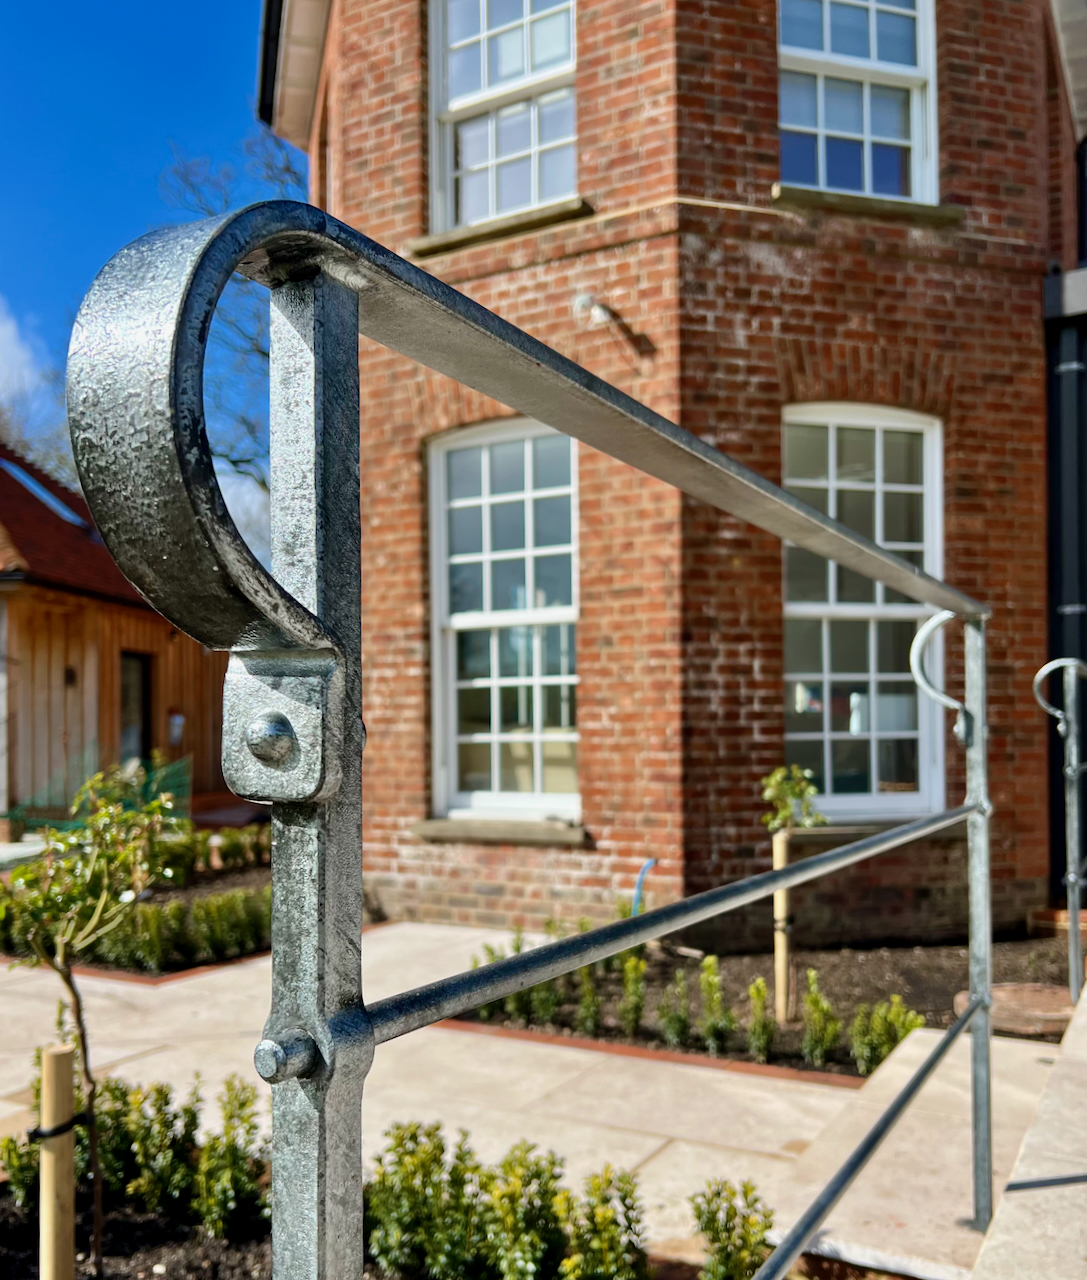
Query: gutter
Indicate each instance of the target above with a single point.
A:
(270, 27)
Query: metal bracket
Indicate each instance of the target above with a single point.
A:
(964, 721)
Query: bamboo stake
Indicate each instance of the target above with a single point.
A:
(57, 1213)
(782, 967)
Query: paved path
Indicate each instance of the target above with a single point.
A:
(676, 1124)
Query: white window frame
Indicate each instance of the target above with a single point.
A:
(930, 796)
(445, 114)
(920, 80)
(446, 800)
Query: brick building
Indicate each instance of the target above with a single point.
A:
(815, 235)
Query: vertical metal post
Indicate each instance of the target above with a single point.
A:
(1073, 790)
(316, 1050)
(981, 927)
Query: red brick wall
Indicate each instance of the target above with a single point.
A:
(742, 307)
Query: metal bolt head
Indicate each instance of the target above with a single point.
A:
(270, 737)
(293, 1055)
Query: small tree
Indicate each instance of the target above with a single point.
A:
(791, 792)
(84, 887)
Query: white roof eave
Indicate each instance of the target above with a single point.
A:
(303, 26)
(1070, 19)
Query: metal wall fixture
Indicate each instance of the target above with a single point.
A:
(1072, 671)
(292, 732)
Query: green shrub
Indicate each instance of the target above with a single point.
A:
(604, 1230)
(163, 1143)
(227, 1192)
(544, 1000)
(790, 791)
(822, 1029)
(19, 1160)
(674, 1013)
(717, 1020)
(632, 1001)
(875, 1034)
(587, 1015)
(762, 1028)
(735, 1224)
(521, 1234)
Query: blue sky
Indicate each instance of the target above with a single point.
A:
(91, 99)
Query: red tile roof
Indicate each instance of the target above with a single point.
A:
(41, 546)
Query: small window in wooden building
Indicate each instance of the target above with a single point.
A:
(135, 706)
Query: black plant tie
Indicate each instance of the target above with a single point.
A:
(40, 1135)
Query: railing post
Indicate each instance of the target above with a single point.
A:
(1073, 790)
(981, 929)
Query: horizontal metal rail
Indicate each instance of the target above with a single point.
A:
(778, 1264)
(411, 1010)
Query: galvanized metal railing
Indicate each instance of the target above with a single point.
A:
(292, 732)
(1072, 671)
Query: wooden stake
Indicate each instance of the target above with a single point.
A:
(57, 1212)
(781, 931)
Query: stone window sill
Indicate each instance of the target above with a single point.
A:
(492, 831)
(843, 833)
(498, 228)
(933, 215)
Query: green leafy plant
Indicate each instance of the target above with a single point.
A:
(735, 1225)
(544, 1002)
(521, 1235)
(822, 1030)
(228, 1195)
(761, 1029)
(605, 1233)
(587, 1014)
(163, 1143)
(791, 793)
(717, 1020)
(876, 1032)
(632, 1001)
(674, 1013)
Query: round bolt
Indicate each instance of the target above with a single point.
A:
(270, 737)
(293, 1055)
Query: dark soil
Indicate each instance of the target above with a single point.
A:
(927, 978)
(203, 883)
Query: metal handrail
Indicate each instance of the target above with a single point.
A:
(918, 647)
(1073, 670)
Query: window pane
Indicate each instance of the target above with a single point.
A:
(549, 40)
(857, 510)
(551, 518)
(845, 164)
(798, 158)
(559, 706)
(553, 584)
(507, 526)
(464, 73)
(463, 19)
(893, 645)
(802, 23)
(849, 30)
(890, 170)
(541, 6)
(856, 454)
(896, 37)
(515, 652)
(804, 706)
(473, 142)
(854, 588)
(465, 588)
(903, 517)
(891, 596)
(903, 454)
(817, 498)
(890, 112)
(844, 102)
(849, 708)
(506, 56)
(806, 453)
(515, 709)
(805, 575)
(809, 756)
(464, 472)
(508, 584)
(560, 768)
(557, 173)
(515, 763)
(473, 655)
(474, 766)
(559, 650)
(513, 184)
(556, 116)
(896, 707)
(499, 12)
(803, 644)
(849, 767)
(550, 461)
(508, 467)
(898, 765)
(849, 645)
(473, 197)
(473, 710)
(513, 129)
(796, 99)
(465, 530)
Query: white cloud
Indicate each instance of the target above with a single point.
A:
(22, 367)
